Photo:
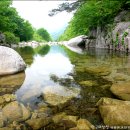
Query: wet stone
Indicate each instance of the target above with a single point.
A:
(39, 122)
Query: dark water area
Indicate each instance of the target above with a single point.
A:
(77, 81)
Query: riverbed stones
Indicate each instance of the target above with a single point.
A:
(114, 112)
(39, 122)
(11, 61)
(121, 90)
(15, 111)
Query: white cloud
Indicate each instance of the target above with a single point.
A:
(36, 12)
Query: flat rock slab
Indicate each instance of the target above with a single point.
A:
(10, 61)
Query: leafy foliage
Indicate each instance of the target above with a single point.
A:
(69, 7)
(44, 34)
(42, 50)
(11, 22)
(91, 14)
(11, 38)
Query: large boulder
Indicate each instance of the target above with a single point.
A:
(114, 112)
(121, 90)
(78, 41)
(11, 61)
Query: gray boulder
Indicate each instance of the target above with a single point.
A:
(11, 61)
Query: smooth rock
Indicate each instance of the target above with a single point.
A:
(11, 61)
(69, 121)
(38, 123)
(114, 112)
(15, 111)
(84, 124)
(58, 117)
(121, 90)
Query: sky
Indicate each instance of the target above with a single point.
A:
(36, 12)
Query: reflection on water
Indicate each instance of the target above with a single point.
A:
(38, 74)
(9, 84)
(62, 72)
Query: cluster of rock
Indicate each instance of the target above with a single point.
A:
(15, 116)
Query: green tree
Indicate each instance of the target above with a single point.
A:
(44, 34)
(11, 38)
(11, 22)
(92, 14)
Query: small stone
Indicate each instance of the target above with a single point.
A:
(38, 123)
(58, 117)
(75, 128)
(84, 124)
(34, 115)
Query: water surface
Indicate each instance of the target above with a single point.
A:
(63, 72)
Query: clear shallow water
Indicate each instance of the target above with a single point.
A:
(39, 75)
(62, 72)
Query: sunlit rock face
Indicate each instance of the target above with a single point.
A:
(8, 84)
(59, 95)
(10, 61)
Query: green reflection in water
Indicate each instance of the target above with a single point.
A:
(42, 50)
(28, 52)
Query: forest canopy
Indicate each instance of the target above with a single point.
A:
(16, 28)
(89, 15)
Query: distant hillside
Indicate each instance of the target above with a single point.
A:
(55, 35)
